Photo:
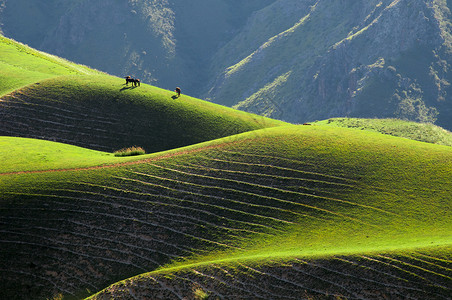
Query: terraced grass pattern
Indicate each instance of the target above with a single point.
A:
(226, 205)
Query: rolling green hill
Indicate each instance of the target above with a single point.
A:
(100, 112)
(267, 200)
(225, 205)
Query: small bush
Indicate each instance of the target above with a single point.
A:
(131, 151)
(200, 294)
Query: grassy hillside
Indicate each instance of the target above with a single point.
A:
(100, 112)
(32, 155)
(227, 204)
(21, 65)
(423, 132)
(49, 98)
(259, 205)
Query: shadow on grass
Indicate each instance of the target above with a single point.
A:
(127, 88)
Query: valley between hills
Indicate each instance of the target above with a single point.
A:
(224, 205)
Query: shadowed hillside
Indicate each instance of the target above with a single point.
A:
(407, 275)
(101, 112)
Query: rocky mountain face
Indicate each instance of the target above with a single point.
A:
(295, 60)
(344, 58)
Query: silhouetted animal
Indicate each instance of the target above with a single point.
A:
(134, 81)
(129, 79)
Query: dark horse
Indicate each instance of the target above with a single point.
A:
(134, 81)
(128, 79)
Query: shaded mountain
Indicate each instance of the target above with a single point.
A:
(343, 58)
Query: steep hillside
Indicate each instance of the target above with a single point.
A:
(248, 212)
(293, 60)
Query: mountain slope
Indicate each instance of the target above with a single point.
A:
(340, 58)
(256, 198)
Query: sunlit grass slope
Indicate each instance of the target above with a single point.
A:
(102, 113)
(25, 155)
(424, 132)
(357, 212)
(21, 65)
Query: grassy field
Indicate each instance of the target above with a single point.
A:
(225, 204)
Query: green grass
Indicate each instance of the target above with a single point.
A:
(21, 65)
(100, 112)
(25, 155)
(226, 203)
(423, 132)
(308, 192)
(415, 175)
(396, 196)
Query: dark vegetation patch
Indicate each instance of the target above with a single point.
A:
(130, 151)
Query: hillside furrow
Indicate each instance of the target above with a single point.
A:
(239, 179)
(274, 195)
(154, 200)
(236, 206)
(267, 166)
